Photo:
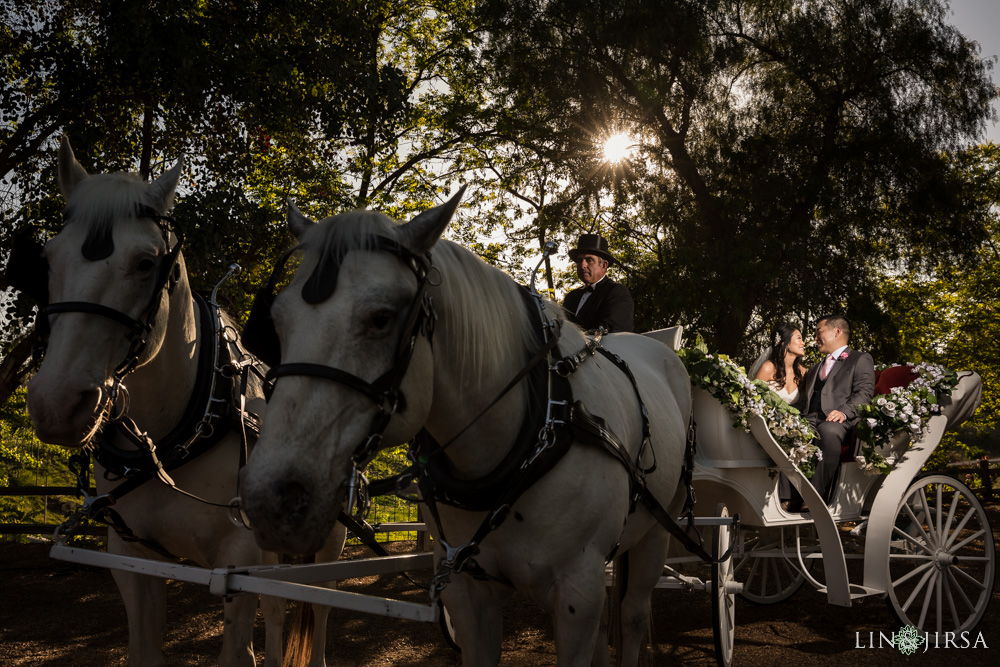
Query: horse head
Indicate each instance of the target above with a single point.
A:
(112, 270)
(356, 367)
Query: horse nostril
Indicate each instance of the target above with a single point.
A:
(293, 501)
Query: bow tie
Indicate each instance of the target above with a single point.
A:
(588, 289)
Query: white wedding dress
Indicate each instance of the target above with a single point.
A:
(787, 397)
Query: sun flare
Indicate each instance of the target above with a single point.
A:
(617, 147)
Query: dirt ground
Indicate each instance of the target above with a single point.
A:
(54, 613)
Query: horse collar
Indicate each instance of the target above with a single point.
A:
(201, 427)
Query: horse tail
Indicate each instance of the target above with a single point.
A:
(298, 648)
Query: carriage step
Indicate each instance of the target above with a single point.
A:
(857, 591)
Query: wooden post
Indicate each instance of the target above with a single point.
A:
(984, 472)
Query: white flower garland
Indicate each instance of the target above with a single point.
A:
(903, 409)
(728, 382)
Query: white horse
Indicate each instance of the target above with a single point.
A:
(345, 325)
(113, 270)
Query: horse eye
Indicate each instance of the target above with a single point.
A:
(145, 265)
(381, 319)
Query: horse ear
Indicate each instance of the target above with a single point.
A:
(70, 171)
(163, 188)
(297, 223)
(421, 233)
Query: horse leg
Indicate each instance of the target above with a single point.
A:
(320, 616)
(475, 609)
(645, 566)
(239, 613)
(273, 610)
(577, 608)
(145, 601)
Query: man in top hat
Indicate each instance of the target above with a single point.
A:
(601, 302)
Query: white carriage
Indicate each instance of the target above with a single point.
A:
(920, 541)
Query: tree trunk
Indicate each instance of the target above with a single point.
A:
(145, 160)
(13, 369)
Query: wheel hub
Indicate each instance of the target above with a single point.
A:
(944, 558)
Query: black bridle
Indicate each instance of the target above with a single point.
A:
(138, 328)
(384, 391)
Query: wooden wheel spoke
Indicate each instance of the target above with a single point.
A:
(896, 530)
(950, 576)
(931, 580)
(916, 522)
(966, 541)
(961, 526)
(968, 577)
(951, 598)
(920, 584)
(912, 573)
(931, 542)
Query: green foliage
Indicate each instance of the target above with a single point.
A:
(26, 461)
(951, 315)
(390, 508)
(338, 105)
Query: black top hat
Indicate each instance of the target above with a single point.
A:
(592, 244)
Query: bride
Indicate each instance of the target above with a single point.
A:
(782, 368)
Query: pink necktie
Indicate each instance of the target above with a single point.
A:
(826, 367)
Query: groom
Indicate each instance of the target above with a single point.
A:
(832, 392)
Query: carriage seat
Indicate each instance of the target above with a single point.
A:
(897, 376)
(671, 336)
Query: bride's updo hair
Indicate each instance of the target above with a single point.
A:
(780, 338)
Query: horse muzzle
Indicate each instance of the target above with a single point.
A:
(63, 411)
(289, 512)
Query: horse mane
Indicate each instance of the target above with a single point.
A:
(492, 328)
(103, 199)
(495, 332)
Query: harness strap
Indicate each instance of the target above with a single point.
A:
(134, 326)
(427, 450)
(380, 392)
(199, 429)
(624, 368)
(592, 430)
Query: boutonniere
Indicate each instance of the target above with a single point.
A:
(843, 355)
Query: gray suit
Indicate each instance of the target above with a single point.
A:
(850, 384)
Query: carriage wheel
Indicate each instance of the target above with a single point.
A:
(447, 629)
(723, 593)
(769, 579)
(941, 557)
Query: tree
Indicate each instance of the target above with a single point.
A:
(951, 316)
(781, 139)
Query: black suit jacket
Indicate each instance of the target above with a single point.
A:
(850, 384)
(610, 306)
